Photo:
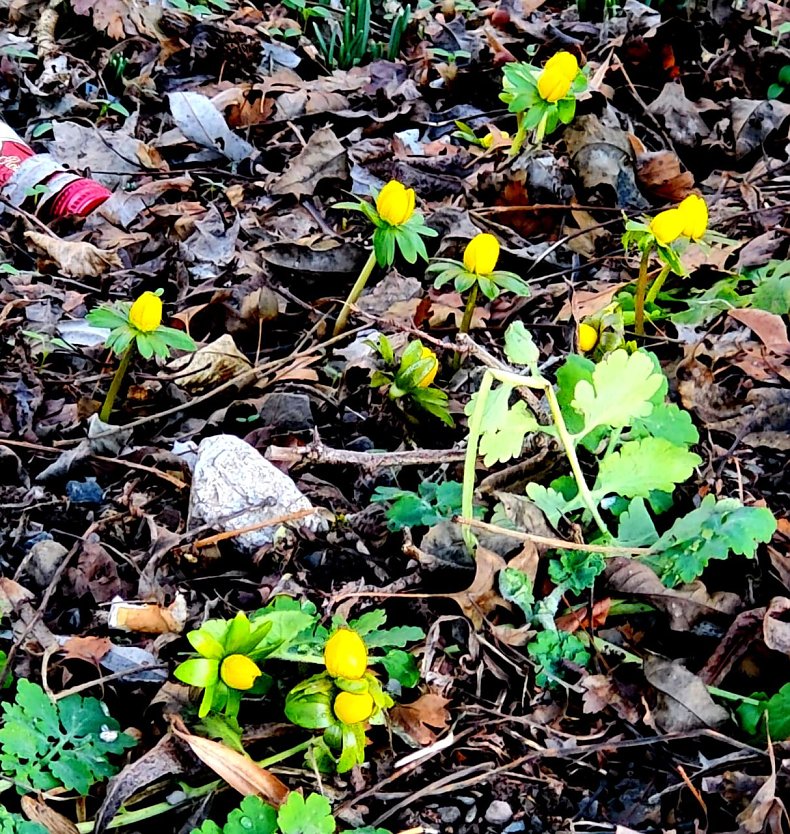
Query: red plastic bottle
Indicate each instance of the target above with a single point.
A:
(21, 168)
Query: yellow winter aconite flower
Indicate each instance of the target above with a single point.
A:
(345, 655)
(146, 312)
(395, 203)
(695, 216)
(354, 707)
(239, 672)
(481, 254)
(555, 80)
(587, 337)
(430, 374)
(667, 226)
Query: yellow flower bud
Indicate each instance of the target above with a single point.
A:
(488, 140)
(146, 312)
(430, 375)
(695, 216)
(239, 672)
(587, 337)
(354, 707)
(345, 655)
(395, 203)
(557, 76)
(667, 226)
(481, 254)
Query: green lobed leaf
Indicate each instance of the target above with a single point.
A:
(520, 347)
(715, 529)
(313, 815)
(771, 717)
(516, 587)
(401, 666)
(641, 466)
(620, 391)
(576, 570)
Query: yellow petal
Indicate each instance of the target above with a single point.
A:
(395, 203)
(553, 86)
(695, 216)
(354, 707)
(346, 655)
(481, 254)
(239, 672)
(146, 312)
(667, 226)
(430, 375)
(587, 337)
(563, 64)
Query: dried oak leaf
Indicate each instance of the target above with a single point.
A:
(422, 718)
(680, 116)
(110, 16)
(322, 158)
(602, 691)
(210, 365)
(76, 259)
(684, 702)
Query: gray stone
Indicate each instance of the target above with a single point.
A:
(234, 486)
(43, 561)
(449, 814)
(499, 812)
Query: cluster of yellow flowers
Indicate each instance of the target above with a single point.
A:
(688, 219)
(559, 72)
(346, 656)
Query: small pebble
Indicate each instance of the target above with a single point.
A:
(515, 827)
(499, 812)
(449, 814)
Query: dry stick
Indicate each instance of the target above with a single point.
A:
(251, 528)
(151, 470)
(609, 550)
(316, 452)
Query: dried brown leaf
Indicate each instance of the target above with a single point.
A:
(239, 771)
(76, 259)
(684, 702)
(210, 365)
(323, 157)
(424, 718)
(38, 811)
(776, 625)
(481, 597)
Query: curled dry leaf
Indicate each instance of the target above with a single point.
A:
(76, 259)
(165, 759)
(481, 597)
(684, 702)
(776, 625)
(323, 157)
(743, 631)
(210, 365)
(239, 771)
(684, 606)
(38, 811)
(422, 719)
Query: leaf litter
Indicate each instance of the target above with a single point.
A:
(562, 680)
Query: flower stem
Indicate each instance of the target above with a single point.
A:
(466, 321)
(356, 291)
(641, 289)
(540, 131)
(115, 385)
(655, 289)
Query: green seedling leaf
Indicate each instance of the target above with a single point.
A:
(620, 391)
(68, 744)
(402, 667)
(576, 570)
(771, 717)
(516, 587)
(520, 347)
(306, 816)
(636, 526)
(551, 650)
(712, 531)
(17, 824)
(641, 466)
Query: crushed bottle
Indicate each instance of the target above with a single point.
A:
(37, 180)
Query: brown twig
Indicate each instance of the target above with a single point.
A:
(609, 550)
(316, 452)
(251, 528)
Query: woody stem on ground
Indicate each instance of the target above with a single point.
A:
(356, 291)
(466, 321)
(655, 289)
(475, 431)
(115, 385)
(641, 290)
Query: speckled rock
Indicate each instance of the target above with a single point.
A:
(234, 486)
